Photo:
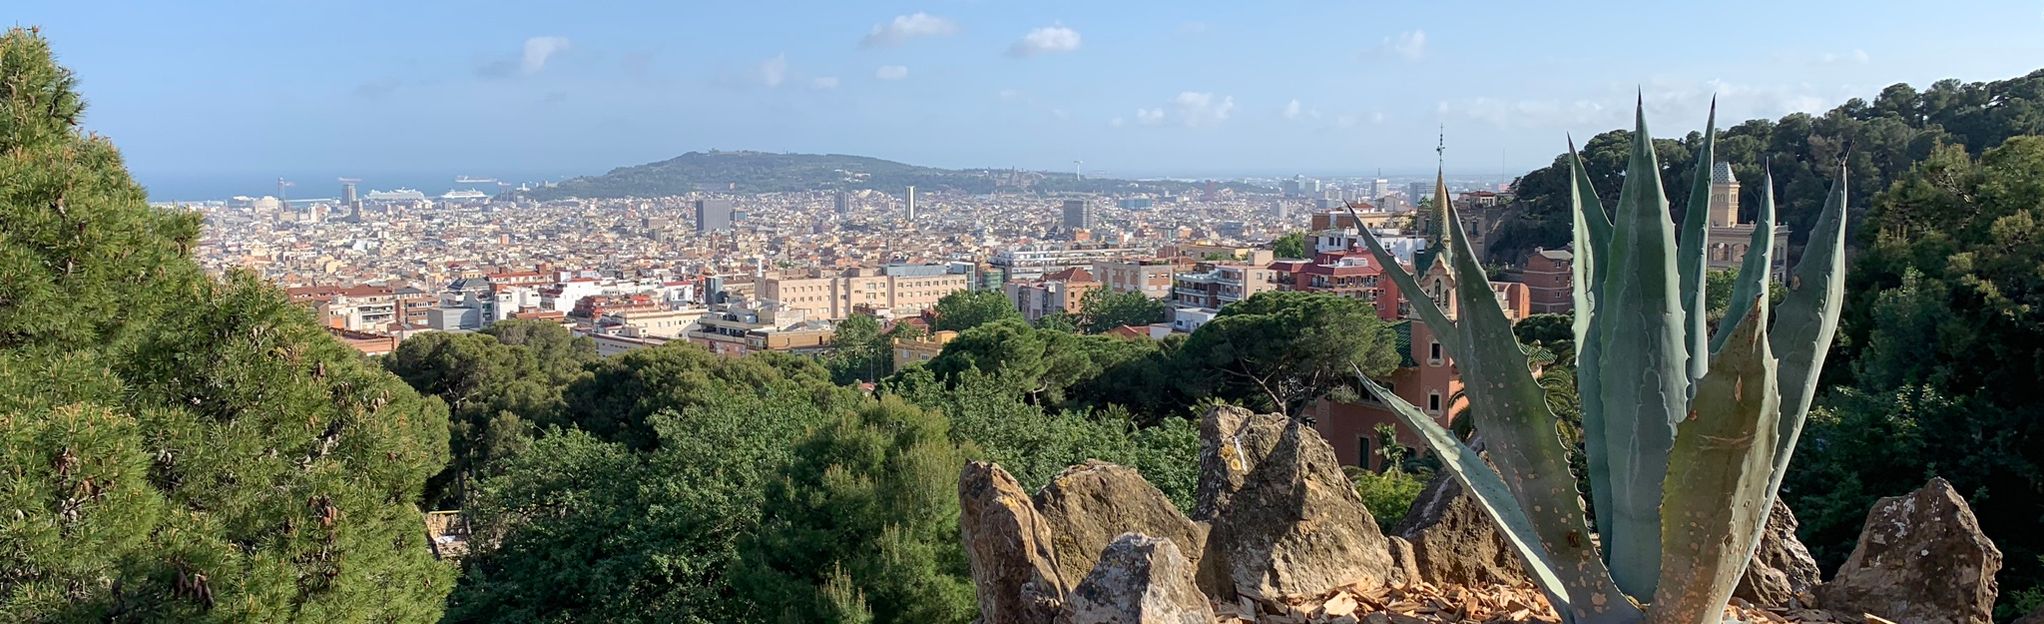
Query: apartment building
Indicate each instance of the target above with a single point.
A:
(890, 291)
(1549, 276)
(1152, 278)
(912, 351)
(1060, 292)
(1032, 262)
(1214, 286)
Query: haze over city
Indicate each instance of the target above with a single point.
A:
(206, 94)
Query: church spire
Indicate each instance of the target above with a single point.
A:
(1441, 198)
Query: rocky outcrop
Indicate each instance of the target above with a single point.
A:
(1090, 505)
(1404, 569)
(1920, 559)
(1455, 542)
(1782, 573)
(1013, 564)
(1139, 580)
(1284, 519)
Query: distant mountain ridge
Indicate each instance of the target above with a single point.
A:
(768, 172)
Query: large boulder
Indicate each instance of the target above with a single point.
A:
(1454, 542)
(1140, 580)
(1921, 559)
(1089, 505)
(1782, 573)
(1284, 519)
(1014, 568)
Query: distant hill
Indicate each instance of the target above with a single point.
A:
(764, 172)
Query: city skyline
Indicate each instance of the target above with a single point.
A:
(1133, 90)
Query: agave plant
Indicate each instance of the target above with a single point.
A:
(1686, 431)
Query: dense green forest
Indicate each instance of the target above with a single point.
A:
(1879, 142)
(179, 448)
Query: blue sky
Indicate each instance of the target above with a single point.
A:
(1136, 88)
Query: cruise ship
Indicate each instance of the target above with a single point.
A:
(470, 194)
(401, 194)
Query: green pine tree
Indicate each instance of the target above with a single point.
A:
(172, 448)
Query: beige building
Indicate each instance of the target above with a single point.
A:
(1150, 277)
(919, 350)
(888, 292)
(1725, 245)
(658, 323)
(1058, 292)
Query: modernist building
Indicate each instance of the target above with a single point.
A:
(1725, 246)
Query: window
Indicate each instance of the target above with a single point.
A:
(1363, 450)
(1433, 401)
(1434, 353)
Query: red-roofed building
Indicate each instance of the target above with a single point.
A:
(1059, 292)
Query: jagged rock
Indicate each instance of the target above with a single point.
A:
(1285, 520)
(1921, 559)
(1014, 568)
(1454, 542)
(1140, 580)
(1089, 505)
(1782, 573)
(1404, 568)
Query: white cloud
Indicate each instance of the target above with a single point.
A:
(1149, 116)
(891, 72)
(1856, 57)
(906, 27)
(1046, 40)
(1116, 122)
(538, 50)
(1377, 117)
(1008, 94)
(1679, 102)
(1201, 109)
(1292, 109)
(1345, 121)
(774, 71)
(1193, 28)
(1409, 45)
(823, 82)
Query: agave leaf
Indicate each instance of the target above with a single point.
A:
(1592, 237)
(1690, 245)
(1644, 342)
(1715, 499)
(1409, 287)
(1808, 320)
(1755, 270)
(1511, 408)
(1496, 499)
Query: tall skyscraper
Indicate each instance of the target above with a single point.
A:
(911, 204)
(841, 202)
(1076, 215)
(713, 215)
(1379, 188)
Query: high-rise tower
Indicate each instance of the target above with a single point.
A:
(713, 215)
